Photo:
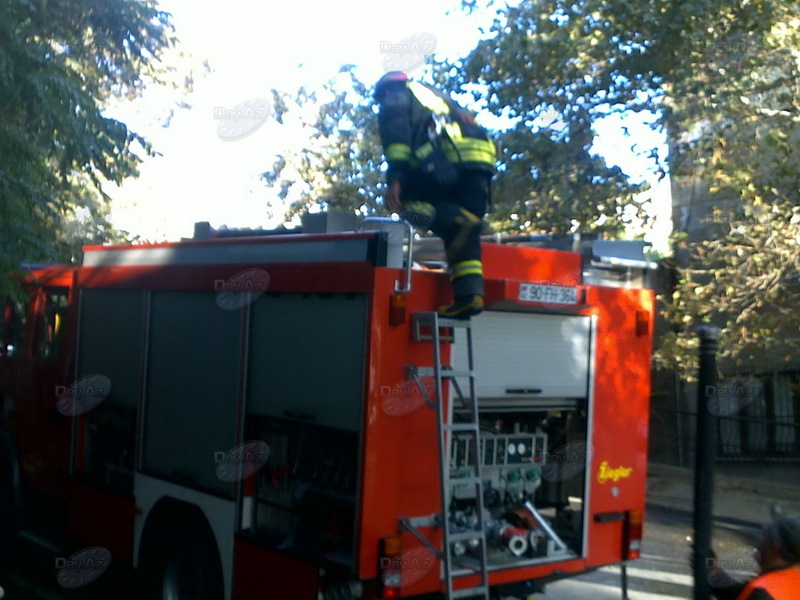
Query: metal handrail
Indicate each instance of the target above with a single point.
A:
(405, 287)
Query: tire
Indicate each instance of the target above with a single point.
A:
(182, 563)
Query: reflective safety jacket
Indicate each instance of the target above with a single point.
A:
(783, 584)
(411, 112)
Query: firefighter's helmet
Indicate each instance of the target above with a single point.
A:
(388, 79)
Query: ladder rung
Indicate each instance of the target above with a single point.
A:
(465, 535)
(466, 566)
(465, 480)
(443, 373)
(460, 323)
(470, 592)
(428, 326)
(448, 374)
(467, 427)
(427, 318)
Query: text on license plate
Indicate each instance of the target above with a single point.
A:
(548, 294)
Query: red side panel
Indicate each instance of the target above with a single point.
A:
(100, 518)
(353, 277)
(400, 449)
(260, 573)
(401, 468)
(531, 264)
(620, 421)
(30, 382)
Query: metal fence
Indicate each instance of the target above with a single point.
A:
(764, 427)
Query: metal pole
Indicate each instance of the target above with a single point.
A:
(704, 460)
(623, 572)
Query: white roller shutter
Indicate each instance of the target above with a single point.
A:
(521, 356)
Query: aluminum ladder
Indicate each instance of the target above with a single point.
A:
(428, 326)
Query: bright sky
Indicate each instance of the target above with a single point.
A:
(252, 48)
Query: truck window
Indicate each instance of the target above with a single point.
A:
(111, 344)
(15, 340)
(49, 329)
(192, 388)
(307, 358)
(305, 495)
(305, 399)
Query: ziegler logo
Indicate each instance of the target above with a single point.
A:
(606, 473)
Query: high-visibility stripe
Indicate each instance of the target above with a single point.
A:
(454, 131)
(424, 150)
(471, 150)
(482, 152)
(466, 267)
(463, 273)
(467, 143)
(469, 156)
(428, 98)
(398, 152)
(457, 147)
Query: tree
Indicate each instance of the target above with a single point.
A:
(60, 63)
(340, 167)
(722, 78)
(550, 183)
(743, 275)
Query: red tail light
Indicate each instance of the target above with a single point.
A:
(642, 323)
(390, 570)
(632, 545)
(397, 309)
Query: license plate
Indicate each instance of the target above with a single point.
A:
(548, 294)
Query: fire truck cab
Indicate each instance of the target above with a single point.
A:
(249, 416)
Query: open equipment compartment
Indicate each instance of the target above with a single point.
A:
(533, 375)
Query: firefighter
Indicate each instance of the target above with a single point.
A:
(439, 178)
(778, 552)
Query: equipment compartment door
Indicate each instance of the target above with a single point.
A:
(526, 355)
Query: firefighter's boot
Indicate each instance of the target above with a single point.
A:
(467, 280)
(463, 308)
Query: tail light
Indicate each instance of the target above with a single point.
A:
(632, 545)
(397, 309)
(390, 571)
(642, 323)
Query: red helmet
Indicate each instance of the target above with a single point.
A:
(388, 78)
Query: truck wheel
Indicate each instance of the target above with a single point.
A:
(183, 564)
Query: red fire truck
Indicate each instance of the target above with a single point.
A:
(285, 416)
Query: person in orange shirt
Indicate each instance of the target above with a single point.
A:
(778, 552)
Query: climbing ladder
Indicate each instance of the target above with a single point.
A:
(464, 551)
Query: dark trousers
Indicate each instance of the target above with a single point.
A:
(459, 230)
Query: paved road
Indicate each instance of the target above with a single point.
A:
(661, 574)
(663, 571)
